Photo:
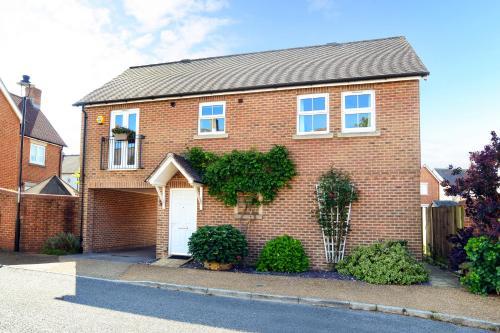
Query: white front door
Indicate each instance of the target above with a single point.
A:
(182, 219)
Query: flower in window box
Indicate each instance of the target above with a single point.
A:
(123, 133)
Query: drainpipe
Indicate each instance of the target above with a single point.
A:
(25, 83)
(82, 171)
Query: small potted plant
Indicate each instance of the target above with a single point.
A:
(123, 133)
(218, 247)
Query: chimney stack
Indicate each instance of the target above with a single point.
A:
(35, 95)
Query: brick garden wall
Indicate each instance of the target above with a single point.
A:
(42, 216)
(385, 168)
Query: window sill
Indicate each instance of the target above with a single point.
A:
(312, 136)
(37, 165)
(356, 134)
(210, 136)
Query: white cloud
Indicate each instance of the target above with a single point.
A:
(143, 41)
(70, 47)
(159, 13)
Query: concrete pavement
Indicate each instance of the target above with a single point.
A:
(34, 301)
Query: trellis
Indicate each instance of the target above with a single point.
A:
(335, 229)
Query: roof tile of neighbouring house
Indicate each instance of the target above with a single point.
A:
(447, 174)
(52, 185)
(329, 63)
(37, 124)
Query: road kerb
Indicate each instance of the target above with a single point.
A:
(458, 320)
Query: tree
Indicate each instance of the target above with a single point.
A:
(480, 188)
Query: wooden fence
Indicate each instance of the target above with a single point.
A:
(438, 223)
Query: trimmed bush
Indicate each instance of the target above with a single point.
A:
(383, 263)
(283, 254)
(483, 265)
(61, 244)
(223, 244)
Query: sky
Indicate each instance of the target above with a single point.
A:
(71, 47)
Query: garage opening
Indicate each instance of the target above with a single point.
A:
(123, 220)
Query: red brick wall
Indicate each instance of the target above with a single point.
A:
(36, 173)
(123, 220)
(42, 216)
(385, 168)
(9, 147)
(433, 187)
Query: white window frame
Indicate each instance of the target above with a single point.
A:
(38, 146)
(425, 186)
(370, 110)
(223, 115)
(311, 113)
(112, 124)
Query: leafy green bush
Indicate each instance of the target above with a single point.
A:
(224, 244)
(483, 265)
(283, 254)
(383, 263)
(61, 244)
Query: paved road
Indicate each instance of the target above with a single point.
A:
(32, 301)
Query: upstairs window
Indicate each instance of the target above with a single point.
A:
(424, 188)
(312, 114)
(358, 111)
(212, 118)
(37, 154)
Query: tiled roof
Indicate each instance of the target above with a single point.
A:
(329, 63)
(52, 185)
(37, 125)
(447, 174)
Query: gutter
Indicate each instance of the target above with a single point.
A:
(82, 172)
(261, 87)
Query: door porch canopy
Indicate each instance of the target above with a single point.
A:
(167, 168)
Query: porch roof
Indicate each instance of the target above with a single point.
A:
(169, 167)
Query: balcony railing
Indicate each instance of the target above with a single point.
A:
(121, 154)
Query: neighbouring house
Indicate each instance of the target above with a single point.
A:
(42, 144)
(70, 170)
(354, 106)
(48, 205)
(447, 174)
(431, 189)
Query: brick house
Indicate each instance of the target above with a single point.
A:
(42, 144)
(430, 185)
(354, 106)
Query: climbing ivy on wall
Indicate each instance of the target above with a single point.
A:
(250, 172)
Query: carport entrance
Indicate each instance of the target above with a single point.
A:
(123, 221)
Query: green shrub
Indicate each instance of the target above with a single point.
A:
(383, 263)
(283, 254)
(483, 265)
(224, 244)
(61, 244)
